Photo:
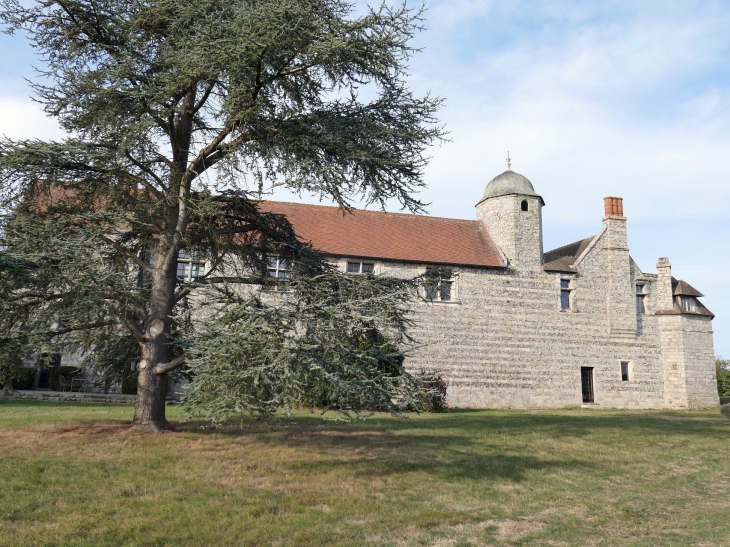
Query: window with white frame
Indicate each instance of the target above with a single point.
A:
(360, 267)
(189, 267)
(440, 286)
(688, 303)
(278, 268)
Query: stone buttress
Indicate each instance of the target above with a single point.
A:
(685, 332)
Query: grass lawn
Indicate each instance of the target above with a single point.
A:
(72, 475)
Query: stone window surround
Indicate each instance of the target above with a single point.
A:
(645, 281)
(454, 289)
(571, 289)
(360, 266)
(641, 294)
(629, 371)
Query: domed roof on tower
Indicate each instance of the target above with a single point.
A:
(509, 183)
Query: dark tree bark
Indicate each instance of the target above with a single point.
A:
(149, 411)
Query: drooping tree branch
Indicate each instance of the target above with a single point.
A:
(174, 110)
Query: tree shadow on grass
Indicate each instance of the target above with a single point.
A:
(557, 424)
(466, 444)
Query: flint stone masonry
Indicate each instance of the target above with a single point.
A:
(505, 342)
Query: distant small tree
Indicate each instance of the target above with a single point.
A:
(722, 369)
(179, 114)
(10, 361)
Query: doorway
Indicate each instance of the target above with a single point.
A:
(586, 380)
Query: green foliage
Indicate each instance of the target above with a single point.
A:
(180, 114)
(112, 358)
(725, 410)
(722, 369)
(10, 370)
(433, 395)
(331, 342)
(129, 384)
(26, 379)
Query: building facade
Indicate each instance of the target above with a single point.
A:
(511, 326)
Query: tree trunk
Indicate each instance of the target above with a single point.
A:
(149, 411)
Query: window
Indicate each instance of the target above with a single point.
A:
(440, 288)
(360, 267)
(640, 295)
(525, 205)
(278, 268)
(626, 372)
(189, 267)
(565, 290)
(688, 303)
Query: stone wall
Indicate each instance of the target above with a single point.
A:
(689, 361)
(505, 342)
(517, 233)
(57, 396)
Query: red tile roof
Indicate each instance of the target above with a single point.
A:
(390, 236)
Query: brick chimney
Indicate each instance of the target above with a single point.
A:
(614, 207)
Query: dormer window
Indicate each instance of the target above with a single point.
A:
(525, 205)
(688, 303)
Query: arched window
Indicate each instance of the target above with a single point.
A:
(525, 206)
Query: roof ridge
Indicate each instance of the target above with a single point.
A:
(568, 245)
(413, 215)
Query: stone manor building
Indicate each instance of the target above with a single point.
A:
(514, 326)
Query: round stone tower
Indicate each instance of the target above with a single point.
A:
(511, 212)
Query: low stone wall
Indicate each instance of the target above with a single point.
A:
(71, 396)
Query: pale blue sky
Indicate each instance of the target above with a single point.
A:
(592, 99)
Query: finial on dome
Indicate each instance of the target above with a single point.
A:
(509, 162)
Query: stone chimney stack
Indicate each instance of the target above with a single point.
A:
(621, 300)
(663, 285)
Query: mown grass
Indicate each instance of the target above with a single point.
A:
(72, 475)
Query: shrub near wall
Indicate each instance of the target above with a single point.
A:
(26, 378)
(722, 368)
(11, 372)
